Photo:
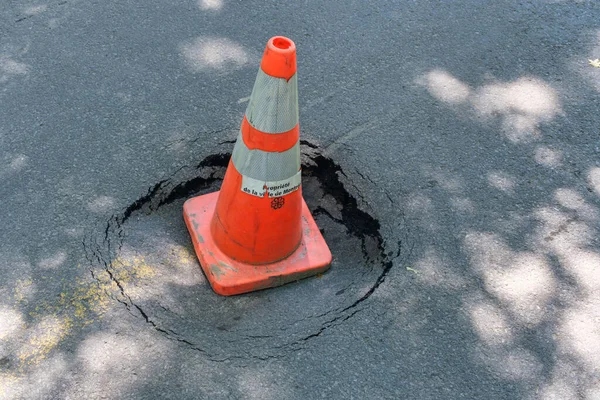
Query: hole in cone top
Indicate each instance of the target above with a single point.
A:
(279, 58)
(282, 43)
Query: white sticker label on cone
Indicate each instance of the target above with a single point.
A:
(280, 188)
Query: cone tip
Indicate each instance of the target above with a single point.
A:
(279, 58)
(281, 44)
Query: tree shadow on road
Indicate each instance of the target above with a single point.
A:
(485, 151)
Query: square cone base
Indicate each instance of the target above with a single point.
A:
(228, 277)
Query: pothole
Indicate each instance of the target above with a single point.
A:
(147, 253)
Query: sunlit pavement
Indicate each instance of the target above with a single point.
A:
(451, 157)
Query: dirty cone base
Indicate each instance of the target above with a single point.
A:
(229, 277)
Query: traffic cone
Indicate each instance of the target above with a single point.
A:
(257, 231)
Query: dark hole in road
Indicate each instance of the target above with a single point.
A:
(147, 252)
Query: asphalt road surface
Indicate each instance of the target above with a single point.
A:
(451, 157)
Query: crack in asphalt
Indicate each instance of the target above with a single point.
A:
(357, 222)
(129, 303)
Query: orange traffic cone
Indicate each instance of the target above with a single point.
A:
(257, 231)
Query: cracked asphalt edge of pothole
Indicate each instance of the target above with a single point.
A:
(358, 223)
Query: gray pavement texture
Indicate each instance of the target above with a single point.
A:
(451, 157)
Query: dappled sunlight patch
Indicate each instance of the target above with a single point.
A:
(101, 204)
(522, 294)
(521, 105)
(579, 332)
(10, 67)
(490, 322)
(214, 53)
(43, 337)
(35, 10)
(176, 264)
(14, 164)
(24, 290)
(462, 204)
(537, 315)
(418, 203)
(548, 157)
(568, 379)
(54, 261)
(561, 232)
(53, 23)
(487, 251)
(449, 181)
(43, 380)
(261, 385)
(18, 162)
(213, 5)
(421, 208)
(11, 322)
(103, 351)
(561, 385)
(434, 270)
(79, 304)
(8, 384)
(594, 179)
(445, 87)
(570, 199)
(593, 392)
(527, 286)
(16, 283)
(106, 362)
(409, 315)
(523, 281)
(81, 300)
(85, 301)
(530, 295)
(502, 181)
(74, 232)
(129, 269)
(453, 184)
(584, 266)
(511, 362)
(186, 264)
(136, 272)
